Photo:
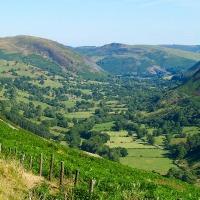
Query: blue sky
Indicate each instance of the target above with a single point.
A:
(97, 22)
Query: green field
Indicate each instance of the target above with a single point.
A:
(86, 91)
(103, 126)
(121, 139)
(69, 103)
(148, 159)
(178, 140)
(56, 130)
(48, 83)
(140, 154)
(78, 115)
(191, 130)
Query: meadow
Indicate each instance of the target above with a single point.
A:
(140, 154)
(148, 159)
(103, 126)
(78, 115)
(190, 130)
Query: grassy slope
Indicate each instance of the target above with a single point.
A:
(190, 89)
(114, 181)
(15, 181)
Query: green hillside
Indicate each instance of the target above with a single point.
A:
(44, 53)
(183, 100)
(175, 124)
(192, 86)
(191, 71)
(142, 59)
(114, 181)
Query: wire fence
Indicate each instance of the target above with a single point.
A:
(36, 166)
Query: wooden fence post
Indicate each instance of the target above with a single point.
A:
(10, 150)
(91, 186)
(31, 163)
(61, 173)
(76, 178)
(15, 151)
(22, 158)
(0, 147)
(51, 167)
(41, 163)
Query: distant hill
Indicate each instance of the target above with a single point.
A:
(192, 48)
(142, 59)
(45, 53)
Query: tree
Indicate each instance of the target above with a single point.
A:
(62, 123)
(167, 140)
(114, 155)
(181, 174)
(39, 111)
(181, 151)
(150, 139)
(141, 132)
(48, 112)
(73, 138)
(156, 132)
(178, 151)
(122, 151)
(120, 124)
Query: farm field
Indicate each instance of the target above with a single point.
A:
(86, 91)
(178, 140)
(191, 130)
(121, 139)
(103, 126)
(140, 154)
(78, 115)
(69, 103)
(148, 159)
(48, 83)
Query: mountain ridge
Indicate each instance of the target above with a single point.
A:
(192, 48)
(58, 53)
(120, 58)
